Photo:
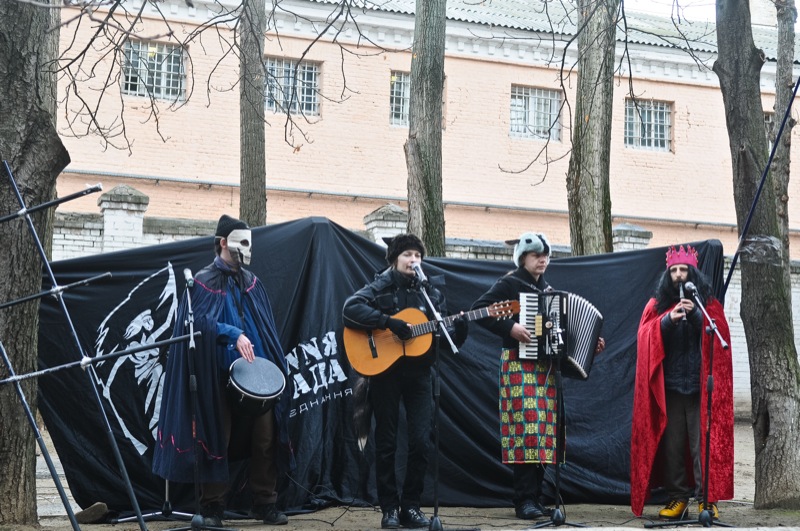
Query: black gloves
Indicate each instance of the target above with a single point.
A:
(399, 328)
(461, 328)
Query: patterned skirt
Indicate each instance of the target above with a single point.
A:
(527, 410)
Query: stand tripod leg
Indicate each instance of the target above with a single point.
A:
(40, 441)
(557, 517)
(435, 522)
(705, 518)
(166, 511)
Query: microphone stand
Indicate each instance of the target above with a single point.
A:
(166, 511)
(197, 519)
(706, 516)
(557, 352)
(193, 401)
(441, 330)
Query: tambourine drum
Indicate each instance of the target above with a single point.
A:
(254, 387)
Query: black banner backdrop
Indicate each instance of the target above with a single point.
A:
(310, 267)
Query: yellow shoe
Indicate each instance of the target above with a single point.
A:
(674, 509)
(712, 508)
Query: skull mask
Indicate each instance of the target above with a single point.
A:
(240, 246)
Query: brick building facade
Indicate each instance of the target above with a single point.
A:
(351, 160)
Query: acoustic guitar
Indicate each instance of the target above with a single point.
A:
(373, 351)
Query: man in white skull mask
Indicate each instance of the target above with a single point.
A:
(235, 318)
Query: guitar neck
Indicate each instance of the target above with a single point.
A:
(430, 326)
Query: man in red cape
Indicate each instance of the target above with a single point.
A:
(665, 312)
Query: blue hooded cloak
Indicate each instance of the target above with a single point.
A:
(225, 303)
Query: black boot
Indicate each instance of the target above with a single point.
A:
(210, 516)
(529, 510)
(391, 519)
(269, 514)
(411, 516)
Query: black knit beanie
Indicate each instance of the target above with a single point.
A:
(402, 242)
(227, 224)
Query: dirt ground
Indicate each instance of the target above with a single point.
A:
(460, 518)
(737, 513)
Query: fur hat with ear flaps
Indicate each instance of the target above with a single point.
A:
(529, 242)
(402, 242)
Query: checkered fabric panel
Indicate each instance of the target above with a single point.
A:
(527, 410)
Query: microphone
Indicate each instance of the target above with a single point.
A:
(681, 295)
(420, 275)
(691, 288)
(187, 274)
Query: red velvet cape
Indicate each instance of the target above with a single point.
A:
(650, 416)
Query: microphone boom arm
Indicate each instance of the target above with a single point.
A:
(696, 296)
(86, 360)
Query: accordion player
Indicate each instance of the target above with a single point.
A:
(561, 324)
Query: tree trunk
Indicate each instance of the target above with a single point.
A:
(766, 293)
(588, 192)
(784, 85)
(253, 161)
(35, 154)
(424, 146)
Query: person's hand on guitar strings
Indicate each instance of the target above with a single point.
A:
(399, 328)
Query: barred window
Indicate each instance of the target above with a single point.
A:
(399, 98)
(535, 113)
(648, 124)
(154, 70)
(292, 86)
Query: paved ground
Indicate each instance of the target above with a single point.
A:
(738, 512)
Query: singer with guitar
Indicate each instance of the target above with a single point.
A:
(379, 307)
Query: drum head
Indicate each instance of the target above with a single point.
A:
(260, 379)
(254, 387)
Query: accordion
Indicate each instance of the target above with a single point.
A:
(561, 324)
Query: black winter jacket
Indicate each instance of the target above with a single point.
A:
(508, 288)
(391, 291)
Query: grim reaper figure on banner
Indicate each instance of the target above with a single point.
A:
(132, 383)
